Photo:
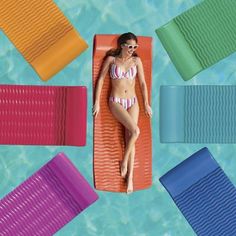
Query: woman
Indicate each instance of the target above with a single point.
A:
(124, 64)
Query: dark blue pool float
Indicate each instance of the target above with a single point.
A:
(204, 194)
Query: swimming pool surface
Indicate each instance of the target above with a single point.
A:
(145, 213)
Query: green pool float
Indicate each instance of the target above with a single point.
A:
(201, 36)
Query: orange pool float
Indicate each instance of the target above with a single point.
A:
(41, 33)
(109, 134)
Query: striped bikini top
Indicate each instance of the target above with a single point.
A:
(117, 73)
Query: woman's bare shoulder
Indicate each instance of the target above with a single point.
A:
(110, 59)
(138, 60)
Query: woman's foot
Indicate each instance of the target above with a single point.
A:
(130, 185)
(123, 169)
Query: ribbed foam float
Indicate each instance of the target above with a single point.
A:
(46, 201)
(204, 194)
(109, 134)
(43, 115)
(201, 36)
(41, 33)
(198, 114)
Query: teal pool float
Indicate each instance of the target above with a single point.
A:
(198, 114)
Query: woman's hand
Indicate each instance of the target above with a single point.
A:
(96, 109)
(148, 110)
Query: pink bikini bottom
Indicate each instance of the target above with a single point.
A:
(126, 103)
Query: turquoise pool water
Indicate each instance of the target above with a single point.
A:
(145, 213)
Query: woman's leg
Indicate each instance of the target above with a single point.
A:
(134, 113)
(128, 122)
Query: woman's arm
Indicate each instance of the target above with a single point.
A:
(143, 86)
(104, 70)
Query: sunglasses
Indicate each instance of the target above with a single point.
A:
(134, 47)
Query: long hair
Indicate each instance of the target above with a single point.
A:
(122, 40)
